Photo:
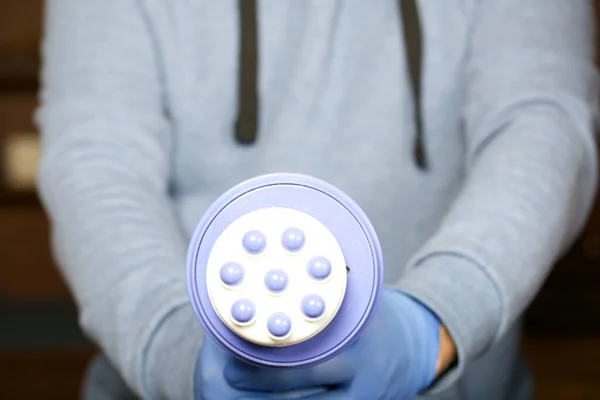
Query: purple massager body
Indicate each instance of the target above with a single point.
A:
(284, 270)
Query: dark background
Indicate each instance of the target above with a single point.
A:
(42, 351)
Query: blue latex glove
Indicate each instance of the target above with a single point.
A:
(394, 358)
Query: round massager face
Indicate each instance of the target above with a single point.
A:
(276, 276)
(284, 270)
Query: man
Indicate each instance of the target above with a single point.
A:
(468, 141)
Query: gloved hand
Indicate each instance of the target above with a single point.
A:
(393, 358)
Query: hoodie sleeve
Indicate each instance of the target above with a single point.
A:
(103, 179)
(529, 117)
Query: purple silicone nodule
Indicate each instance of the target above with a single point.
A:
(347, 222)
(243, 310)
(279, 324)
(276, 280)
(232, 274)
(292, 239)
(313, 306)
(319, 268)
(254, 242)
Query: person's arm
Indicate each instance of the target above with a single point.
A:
(103, 179)
(529, 112)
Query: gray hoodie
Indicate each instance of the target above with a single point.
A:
(137, 117)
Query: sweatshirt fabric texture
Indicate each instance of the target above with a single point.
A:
(137, 114)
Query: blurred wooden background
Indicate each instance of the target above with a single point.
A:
(42, 351)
